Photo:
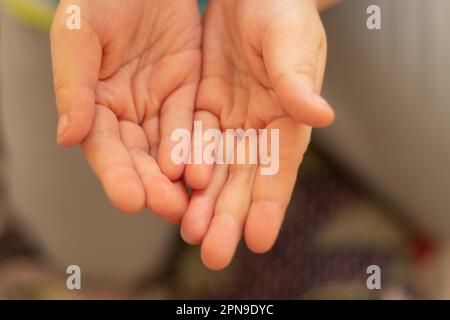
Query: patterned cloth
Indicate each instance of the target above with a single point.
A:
(332, 233)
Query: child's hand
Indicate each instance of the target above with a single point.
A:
(123, 83)
(263, 67)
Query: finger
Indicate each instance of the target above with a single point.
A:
(151, 129)
(76, 57)
(321, 65)
(201, 206)
(112, 163)
(176, 115)
(163, 197)
(177, 111)
(273, 187)
(293, 61)
(224, 233)
(205, 140)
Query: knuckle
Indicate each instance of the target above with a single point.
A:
(306, 68)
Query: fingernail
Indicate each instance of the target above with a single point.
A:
(63, 124)
(317, 99)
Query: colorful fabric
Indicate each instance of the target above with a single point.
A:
(333, 232)
(39, 13)
(202, 5)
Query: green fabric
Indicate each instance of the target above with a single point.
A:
(202, 6)
(38, 13)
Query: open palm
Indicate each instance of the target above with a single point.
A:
(123, 83)
(263, 68)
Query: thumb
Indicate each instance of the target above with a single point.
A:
(76, 57)
(295, 57)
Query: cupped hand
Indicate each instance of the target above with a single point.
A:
(123, 82)
(263, 67)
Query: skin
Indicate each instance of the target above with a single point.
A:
(123, 83)
(263, 67)
(131, 75)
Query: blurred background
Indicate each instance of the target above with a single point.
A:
(373, 188)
